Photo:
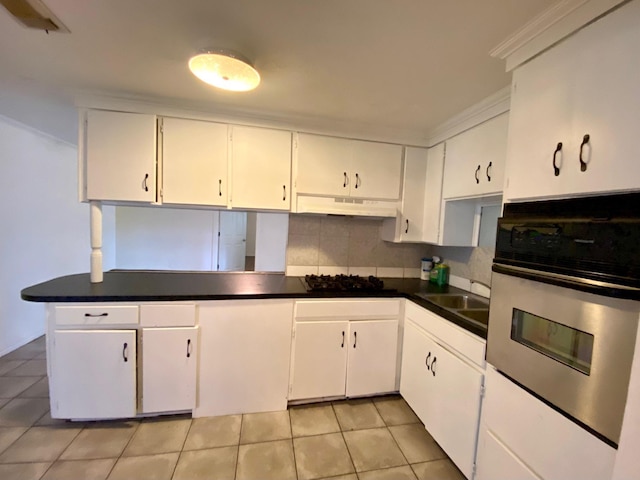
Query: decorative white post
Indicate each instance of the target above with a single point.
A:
(96, 241)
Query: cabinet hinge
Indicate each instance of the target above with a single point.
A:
(218, 232)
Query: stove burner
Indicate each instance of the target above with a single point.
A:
(341, 283)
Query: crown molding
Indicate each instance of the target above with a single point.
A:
(482, 111)
(23, 126)
(224, 114)
(550, 27)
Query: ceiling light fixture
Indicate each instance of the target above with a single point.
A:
(224, 69)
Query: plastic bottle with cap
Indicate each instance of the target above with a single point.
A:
(425, 268)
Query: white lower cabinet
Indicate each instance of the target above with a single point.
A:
(520, 434)
(442, 380)
(114, 360)
(344, 348)
(372, 358)
(93, 374)
(245, 347)
(498, 462)
(338, 358)
(445, 391)
(169, 360)
(319, 359)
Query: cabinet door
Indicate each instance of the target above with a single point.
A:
(319, 361)
(475, 160)
(454, 423)
(120, 156)
(413, 194)
(244, 356)
(607, 77)
(194, 162)
(444, 391)
(373, 348)
(540, 118)
(261, 166)
(376, 170)
(93, 374)
(415, 379)
(169, 358)
(433, 194)
(496, 462)
(323, 165)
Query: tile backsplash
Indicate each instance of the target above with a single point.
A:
(350, 245)
(320, 244)
(473, 263)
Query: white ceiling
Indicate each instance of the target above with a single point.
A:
(394, 68)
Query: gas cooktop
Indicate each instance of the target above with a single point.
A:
(343, 283)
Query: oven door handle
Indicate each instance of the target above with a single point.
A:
(605, 289)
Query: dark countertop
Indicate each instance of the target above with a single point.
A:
(148, 286)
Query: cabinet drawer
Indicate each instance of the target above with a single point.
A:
(167, 315)
(347, 309)
(97, 315)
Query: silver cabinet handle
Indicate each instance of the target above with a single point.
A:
(144, 182)
(188, 348)
(284, 192)
(489, 167)
(433, 365)
(406, 230)
(358, 181)
(476, 175)
(220, 187)
(124, 352)
(342, 346)
(105, 314)
(346, 180)
(355, 339)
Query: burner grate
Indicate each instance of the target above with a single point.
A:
(341, 283)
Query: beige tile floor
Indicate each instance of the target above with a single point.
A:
(368, 439)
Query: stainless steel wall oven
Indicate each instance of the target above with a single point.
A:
(565, 304)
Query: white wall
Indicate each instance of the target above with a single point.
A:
(272, 230)
(44, 230)
(252, 218)
(166, 238)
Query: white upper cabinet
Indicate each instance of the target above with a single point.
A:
(332, 166)
(322, 165)
(194, 162)
(433, 194)
(583, 86)
(376, 170)
(408, 226)
(119, 156)
(474, 163)
(261, 168)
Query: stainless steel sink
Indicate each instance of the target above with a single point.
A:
(480, 316)
(469, 307)
(455, 302)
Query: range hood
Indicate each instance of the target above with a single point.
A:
(346, 206)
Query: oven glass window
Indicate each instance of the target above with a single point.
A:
(564, 344)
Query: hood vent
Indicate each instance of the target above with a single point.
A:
(34, 14)
(346, 206)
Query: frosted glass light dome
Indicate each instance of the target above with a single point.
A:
(225, 69)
